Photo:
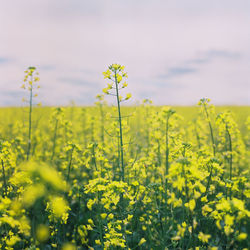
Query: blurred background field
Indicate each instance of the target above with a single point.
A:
(8, 115)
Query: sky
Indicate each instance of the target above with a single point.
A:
(174, 51)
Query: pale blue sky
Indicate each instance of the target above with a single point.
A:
(175, 52)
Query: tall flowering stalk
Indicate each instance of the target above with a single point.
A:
(116, 75)
(30, 82)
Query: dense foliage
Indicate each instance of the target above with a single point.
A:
(141, 177)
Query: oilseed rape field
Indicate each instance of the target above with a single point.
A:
(123, 177)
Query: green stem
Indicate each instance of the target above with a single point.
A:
(92, 129)
(54, 140)
(159, 153)
(93, 156)
(197, 135)
(211, 130)
(209, 180)
(147, 130)
(70, 163)
(230, 159)
(102, 123)
(120, 126)
(4, 180)
(84, 128)
(167, 147)
(30, 122)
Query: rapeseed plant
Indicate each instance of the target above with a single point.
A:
(116, 75)
(30, 80)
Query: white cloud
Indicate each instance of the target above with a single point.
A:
(77, 40)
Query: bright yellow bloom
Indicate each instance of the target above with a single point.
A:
(241, 236)
(229, 220)
(103, 215)
(68, 246)
(107, 74)
(42, 233)
(141, 241)
(119, 78)
(98, 242)
(128, 96)
(204, 237)
(111, 216)
(191, 205)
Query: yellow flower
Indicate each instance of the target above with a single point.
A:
(195, 223)
(141, 218)
(177, 237)
(32, 193)
(204, 237)
(128, 96)
(98, 242)
(241, 236)
(90, 221)
(119, 78)
(179, 183)
(229, 220)
(90, 204)
(130, 216)
(111, 216)
(196, 194)
(116, 199)
(116, 66)
(218, 224)
(228, 230)
(68, 246)
(238, 204)
(181, 229)
(107, 74)
(103, 215)
(204, 199)
(89, 227)
(206, 209)
(12, 240)
(191, 205)
(42, 233)
(59, 207)
(124, 85)
(110, 85)
(141, 241)
(223, 205)
(105, 90)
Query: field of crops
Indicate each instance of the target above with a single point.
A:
(132, 177)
